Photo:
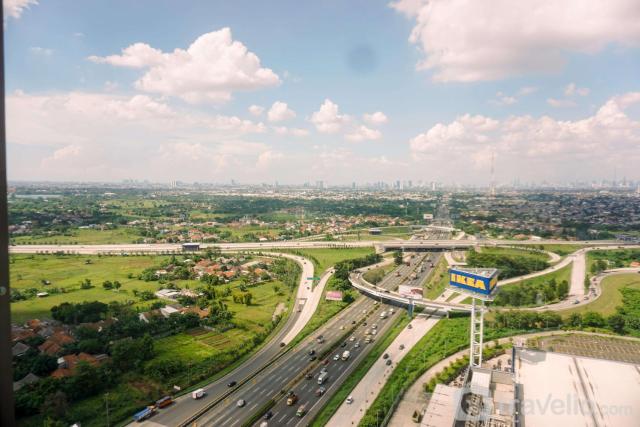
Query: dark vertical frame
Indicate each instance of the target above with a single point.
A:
(6, 374)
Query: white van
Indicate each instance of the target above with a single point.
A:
(198, 394)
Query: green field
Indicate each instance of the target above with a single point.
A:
(563, 274)
(437, 280)
(27, 271)
(82, 236)
(514, 252)
(325, 258)
(561, 250)
(611, 297)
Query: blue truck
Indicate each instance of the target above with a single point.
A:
(144, 414)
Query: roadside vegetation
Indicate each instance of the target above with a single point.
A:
(600, 260)
(437, 280)
(541, 290)
(216, 324)
(510, 262)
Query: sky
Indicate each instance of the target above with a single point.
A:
(337, 90)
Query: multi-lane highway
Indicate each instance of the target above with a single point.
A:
(184, 407)
(381, 244)
(288, 373)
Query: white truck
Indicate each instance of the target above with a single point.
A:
(323, 377)
(383, 315)
(197, 394)
(346, 355)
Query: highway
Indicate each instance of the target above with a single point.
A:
(381, 244)
(185, 406)
(338, 371)
(283, 375)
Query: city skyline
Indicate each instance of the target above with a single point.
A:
(338, 92)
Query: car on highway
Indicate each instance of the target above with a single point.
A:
(353, 338)
(374, 326)
(241, 403)
(282, 344)
(268, 415)
(312, 358)
(353, 322)
(320, 391)
(344, 344)
(312, 352)
(342, 327)
(409, 326)
(320, 339)
(401, 346)
(231, 384)
(291, 398)
(349, 400)
(336, 357)
(367, 340)
(385, 356)
(388, 362)
(302, 409)
(309, 376)
(356, 345)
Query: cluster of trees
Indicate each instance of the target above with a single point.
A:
(532, 294)
(73, 314)
(509, 266)
(343, 268)
(243, 298)
(612, 259)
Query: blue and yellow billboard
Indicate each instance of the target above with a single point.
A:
(477, 280)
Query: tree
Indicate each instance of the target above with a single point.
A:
(117, 284)
(107, 285)
(616, 322)
(397, 257)
(56, 405)
(247, 297)
(276, 289)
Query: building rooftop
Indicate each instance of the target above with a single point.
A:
(569, 391)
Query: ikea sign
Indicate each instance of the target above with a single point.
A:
(480, 281)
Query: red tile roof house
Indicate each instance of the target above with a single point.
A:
(67, 364)
(55, 342)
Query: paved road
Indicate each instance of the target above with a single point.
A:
(408, 244)
(185, 406)
(370, 385)
(339, 370)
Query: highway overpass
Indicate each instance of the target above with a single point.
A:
(381, 245)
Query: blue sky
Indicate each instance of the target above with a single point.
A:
(551, 90)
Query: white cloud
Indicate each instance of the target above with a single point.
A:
(267, 158)
(475, 40)
(280, 112)
(256, 110)
(36, 50)
(377, 118)
(363, 133)
(283, 130)
(572, 90)
(89, 136)
(502, 99)
(560, 103)
(527, 90)
(14, 8)
(535, 146)
(328, 118)
(209, 70)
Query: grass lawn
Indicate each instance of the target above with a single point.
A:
(437, 280)
(27, 271)
(563, 274)
(325, 258)
(611, 296)
(561, 250)
(82, 236)
(514, 253)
